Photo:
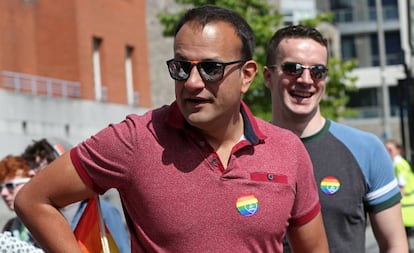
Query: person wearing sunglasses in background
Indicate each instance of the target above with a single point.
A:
(353, 171)
(199, 175)
(14, 173)
(39, 154)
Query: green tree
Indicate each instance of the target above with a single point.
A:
(264, 20)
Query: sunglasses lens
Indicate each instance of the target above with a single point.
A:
(318, 71)
(211, 71)
(179, 70)
(8, 186)
(296, 69)
(292, 69)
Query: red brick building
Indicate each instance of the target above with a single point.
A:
(100, 46)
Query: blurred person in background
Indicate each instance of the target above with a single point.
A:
(11, 244)
(42, 152)
(405, 178)
(14, 173)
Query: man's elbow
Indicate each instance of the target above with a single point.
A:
(22, 203)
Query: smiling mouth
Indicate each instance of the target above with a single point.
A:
(301, 94)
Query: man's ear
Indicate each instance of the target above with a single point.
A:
(267, 77)
(249, 71)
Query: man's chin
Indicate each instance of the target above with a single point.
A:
(198, 120)
(300, 109)
(301, 112)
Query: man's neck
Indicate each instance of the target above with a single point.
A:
(229, 134)
(223, 141)
(302, 127)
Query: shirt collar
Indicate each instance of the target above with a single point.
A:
(251, 130)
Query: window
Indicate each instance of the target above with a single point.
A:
(366, 101)
(341, 4)
(392, 48)
(389, 9)
(129, 75)
(343, 10)
(96, 61)
(348, 48)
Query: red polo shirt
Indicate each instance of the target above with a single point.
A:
(178, 198)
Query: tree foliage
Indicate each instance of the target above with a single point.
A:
(264, 20)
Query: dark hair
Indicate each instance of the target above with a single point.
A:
(293, 31)
(397, 145)
(41, 149)
(46, 149)
(211, 13)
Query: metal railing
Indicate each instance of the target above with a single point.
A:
(40, 85)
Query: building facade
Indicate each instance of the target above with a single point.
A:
(69, 68)
(374, 33)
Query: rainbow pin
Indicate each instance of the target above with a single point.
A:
(330, 185)
(247, 204)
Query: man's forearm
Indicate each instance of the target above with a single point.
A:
(49, 228)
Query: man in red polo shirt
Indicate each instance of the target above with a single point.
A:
(199, 175)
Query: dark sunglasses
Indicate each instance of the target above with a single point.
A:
(210, 71)
(296, 69)
(11, 185)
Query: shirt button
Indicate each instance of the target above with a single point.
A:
(270, 176)
(214, 160)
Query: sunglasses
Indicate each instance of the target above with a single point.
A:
(210, 71)
(11, 185)
(296, 69)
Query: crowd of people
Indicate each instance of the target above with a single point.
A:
(205, 175)
(17, 170)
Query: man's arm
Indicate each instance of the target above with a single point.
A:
(389, 230)
(38, 203)
(308, 238)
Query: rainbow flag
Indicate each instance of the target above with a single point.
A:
(91, 233)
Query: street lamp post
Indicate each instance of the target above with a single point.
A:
(385, 94)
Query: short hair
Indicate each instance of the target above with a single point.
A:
(48, 149)
(293, 31)
(10, 166)
(397, 145)
(206, 14)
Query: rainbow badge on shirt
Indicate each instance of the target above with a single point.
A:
(247, 204)
(330, 185)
